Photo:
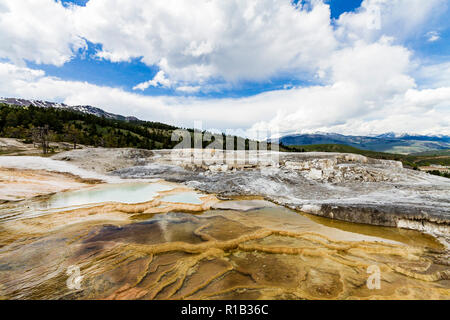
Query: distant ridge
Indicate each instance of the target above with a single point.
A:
(387, 142)
(84, 109)
(391, 142)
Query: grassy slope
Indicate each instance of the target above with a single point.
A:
(434, 153)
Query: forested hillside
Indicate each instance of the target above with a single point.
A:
(30, 123)
(42, 125)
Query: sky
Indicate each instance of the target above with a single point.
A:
(241, 67)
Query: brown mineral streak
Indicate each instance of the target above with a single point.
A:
(223, 254)
(343, 258)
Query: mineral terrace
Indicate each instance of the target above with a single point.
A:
(340, 186)
(220, 225)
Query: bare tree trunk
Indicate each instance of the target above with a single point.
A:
(41, 136)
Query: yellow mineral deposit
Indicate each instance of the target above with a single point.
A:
(169, 249)
(20, 184)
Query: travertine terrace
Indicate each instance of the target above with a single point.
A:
(232, 243)
(346, 187)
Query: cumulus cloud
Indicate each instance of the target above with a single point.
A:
(231, 40)
(365, 80)
(334, 107)
(396, 18)
(38, 31)
(159, 80)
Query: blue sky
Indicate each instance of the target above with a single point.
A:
(340, 6)
(77, 2)
(346, 66)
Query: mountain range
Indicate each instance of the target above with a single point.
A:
(387, 142)
(80, 108)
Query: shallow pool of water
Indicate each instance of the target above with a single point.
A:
(281, 218)
(129, 193)
(183, 197)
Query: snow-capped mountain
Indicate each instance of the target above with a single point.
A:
(387, 142)
(386, 135)
(84, 109)
(414, 136)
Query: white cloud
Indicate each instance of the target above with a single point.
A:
(188, 89)
(234, 40)
(363, 80)
(159, 80)
(433, 36)
(366, 75)
(39, 31)
(398, 18)
(434, 75)
(339, 107)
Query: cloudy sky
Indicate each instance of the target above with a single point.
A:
(347, 66)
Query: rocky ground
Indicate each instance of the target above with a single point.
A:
(346, 187)
(246, 248)
(14, 147)
(16, 185)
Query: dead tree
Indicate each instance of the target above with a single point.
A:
(41, 136)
